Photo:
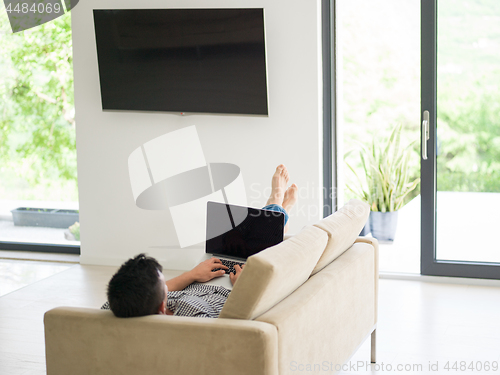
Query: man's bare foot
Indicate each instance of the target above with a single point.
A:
(289, 200)
(278, 185)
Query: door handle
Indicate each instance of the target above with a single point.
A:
(425, 134)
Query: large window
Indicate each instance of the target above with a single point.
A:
(432, 67)
(378, 85)
(37, 135)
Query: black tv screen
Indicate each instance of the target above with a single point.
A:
(182, 60)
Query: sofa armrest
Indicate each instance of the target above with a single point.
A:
(330, 315)
(374, 242)
(91, 341)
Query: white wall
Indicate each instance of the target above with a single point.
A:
(112, 227)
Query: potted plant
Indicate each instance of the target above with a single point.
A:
(388, 182)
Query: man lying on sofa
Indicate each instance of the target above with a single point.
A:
(139, 287)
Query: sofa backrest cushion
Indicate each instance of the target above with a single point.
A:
(271, 275)
(342, 227)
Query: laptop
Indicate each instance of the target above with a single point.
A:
(236, 232)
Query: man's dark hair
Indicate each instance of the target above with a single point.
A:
(136, 289)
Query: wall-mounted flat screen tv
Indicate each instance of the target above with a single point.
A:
(182, 60)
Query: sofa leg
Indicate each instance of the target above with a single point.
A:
(374, 346)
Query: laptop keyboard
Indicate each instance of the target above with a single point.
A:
(229, 264)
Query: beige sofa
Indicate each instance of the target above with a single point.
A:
(303, 306)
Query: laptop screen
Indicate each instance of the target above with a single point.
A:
(240, 232)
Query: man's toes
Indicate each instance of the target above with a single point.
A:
(284, 172)
(290, 196)
(290, 192)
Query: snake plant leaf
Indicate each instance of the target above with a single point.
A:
(357, 176)
(397, 142)
(408, 189)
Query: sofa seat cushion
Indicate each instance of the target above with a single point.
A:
(274, 273)
(342, 227)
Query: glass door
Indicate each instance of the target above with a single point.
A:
(460, 165)
(377, 89)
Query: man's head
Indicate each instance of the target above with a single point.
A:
(138, 288)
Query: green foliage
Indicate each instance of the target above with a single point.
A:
(386, 173)
(469, 138)
(468, 96)
(37, 138)
(75, 230)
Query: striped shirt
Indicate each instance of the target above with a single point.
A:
(197, 300)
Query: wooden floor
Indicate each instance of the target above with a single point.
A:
(418, 323)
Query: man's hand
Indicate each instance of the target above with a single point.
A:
(203, 271)
(234, 276)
